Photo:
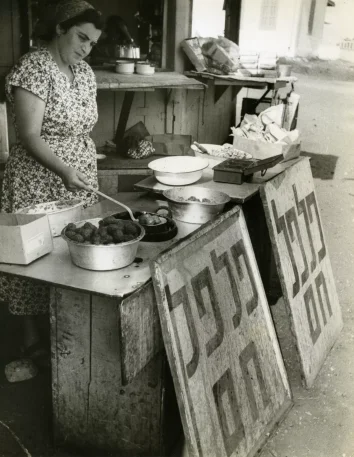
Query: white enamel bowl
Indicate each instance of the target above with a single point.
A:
(178, 170)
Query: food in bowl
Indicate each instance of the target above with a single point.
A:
(103, 244)
(109, 231)
(178, 170)
(195, 205)
(194, 199)
(151, 219)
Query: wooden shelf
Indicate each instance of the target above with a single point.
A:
(107, 79)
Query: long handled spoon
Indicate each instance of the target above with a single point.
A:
(117, 202)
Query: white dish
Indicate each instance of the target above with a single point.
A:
(178, 170)
(124, 67)
(144, 68)
(101, 156)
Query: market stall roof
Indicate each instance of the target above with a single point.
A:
(109, 80)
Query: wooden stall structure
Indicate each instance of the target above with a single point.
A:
(112, 389)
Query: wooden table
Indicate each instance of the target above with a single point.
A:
(238, 82)
(92, 313)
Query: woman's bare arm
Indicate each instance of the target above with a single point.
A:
(29, 111)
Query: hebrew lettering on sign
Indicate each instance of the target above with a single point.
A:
(224, 356)
(304, 268)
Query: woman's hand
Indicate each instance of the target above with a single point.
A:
(74, 180)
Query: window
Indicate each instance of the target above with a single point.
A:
(208, 18)
(269, 15)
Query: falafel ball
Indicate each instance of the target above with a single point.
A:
(71, 227)
(70, 234)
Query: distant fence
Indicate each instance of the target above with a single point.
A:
(347, 45)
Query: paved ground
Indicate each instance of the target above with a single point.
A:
(321, 423)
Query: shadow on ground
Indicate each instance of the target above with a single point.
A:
(322, 165)
(25, 407)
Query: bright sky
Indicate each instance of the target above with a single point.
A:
(208, 18)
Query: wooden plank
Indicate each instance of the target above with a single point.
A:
(155, 119)
(303, 264)
(105, 127)
(125, 419)
(92, 409)
(123, 118)
(228, 372)
(160, 80)
(140, 331)
(70, 327)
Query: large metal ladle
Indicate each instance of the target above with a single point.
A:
(117, 202)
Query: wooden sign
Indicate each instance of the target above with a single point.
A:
(303, 264)
(228, 372)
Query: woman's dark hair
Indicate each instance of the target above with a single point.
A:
(91, 16)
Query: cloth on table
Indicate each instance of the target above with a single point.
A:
(70, 114)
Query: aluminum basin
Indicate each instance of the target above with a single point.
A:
(103, 257)
(195, 212)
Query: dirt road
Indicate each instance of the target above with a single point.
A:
(321, 423)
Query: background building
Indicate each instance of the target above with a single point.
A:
(288, 27)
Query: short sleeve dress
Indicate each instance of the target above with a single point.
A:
(69, 117)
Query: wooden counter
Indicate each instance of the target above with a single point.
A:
(56, 268)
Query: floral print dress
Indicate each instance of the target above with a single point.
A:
(70, 114)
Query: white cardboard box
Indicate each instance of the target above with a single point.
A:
(263, 150)
(24, 237)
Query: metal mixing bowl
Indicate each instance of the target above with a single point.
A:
(103, 257)
(195, 212)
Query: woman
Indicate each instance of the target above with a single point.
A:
(53, 95)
